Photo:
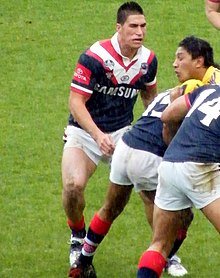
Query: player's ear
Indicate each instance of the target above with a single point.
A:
(200, 62)
(118, 27)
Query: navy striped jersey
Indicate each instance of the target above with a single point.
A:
(146, 134)
(112, 82)
(198, 138)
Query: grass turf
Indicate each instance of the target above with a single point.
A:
(40, 44)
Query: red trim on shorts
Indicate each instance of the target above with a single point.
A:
(152, 260)
(99, 226)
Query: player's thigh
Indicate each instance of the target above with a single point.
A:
(212, 212)
(77, 167)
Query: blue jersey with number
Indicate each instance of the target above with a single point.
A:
(146, 134)
(198, 138)
(112, 82)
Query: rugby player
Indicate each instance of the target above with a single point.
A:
(106, 82)
(134, 165)
(189, 174)
(195, 59)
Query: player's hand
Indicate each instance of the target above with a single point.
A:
(106, 144)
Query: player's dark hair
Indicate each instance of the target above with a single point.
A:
(126, 9)
(198, 47)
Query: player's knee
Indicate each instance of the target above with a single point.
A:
(73, 188)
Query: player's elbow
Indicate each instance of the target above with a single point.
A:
(165, 116)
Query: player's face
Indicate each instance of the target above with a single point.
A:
(131, 34)
(184, 66)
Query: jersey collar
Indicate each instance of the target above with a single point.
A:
(115, 44)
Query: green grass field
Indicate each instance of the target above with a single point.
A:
(40, 45)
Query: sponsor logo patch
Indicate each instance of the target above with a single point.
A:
(82, 74)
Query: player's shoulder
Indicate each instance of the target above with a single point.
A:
(206, 92)
(212, 76)
(145, 50)
(148, 57)
(92, 56)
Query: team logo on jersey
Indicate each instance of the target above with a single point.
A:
(144, 68)
(109, 65)
(124, 78)
(109, 74)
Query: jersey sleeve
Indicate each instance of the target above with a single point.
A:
(85, 74)
(215, 78)
(152, 71)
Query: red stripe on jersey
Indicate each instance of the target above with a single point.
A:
(136, 78)
(97, 57)
(149, 60)
(188, 104)
(81, 92)
(114, 80)
(106, 44)
(90, 53)
(82, 74)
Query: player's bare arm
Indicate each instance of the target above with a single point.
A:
(82, 116)
(176, 111)
(148, 95)
(172, 117)
(212, 10)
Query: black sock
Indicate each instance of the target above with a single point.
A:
(95, 238)
(146, 273)
(175, 248)
(81, 233)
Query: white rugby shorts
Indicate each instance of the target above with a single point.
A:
(79, 138)
(131, 166)
(183, 185)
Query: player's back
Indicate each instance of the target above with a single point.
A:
(146, 134)
(198, 138)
